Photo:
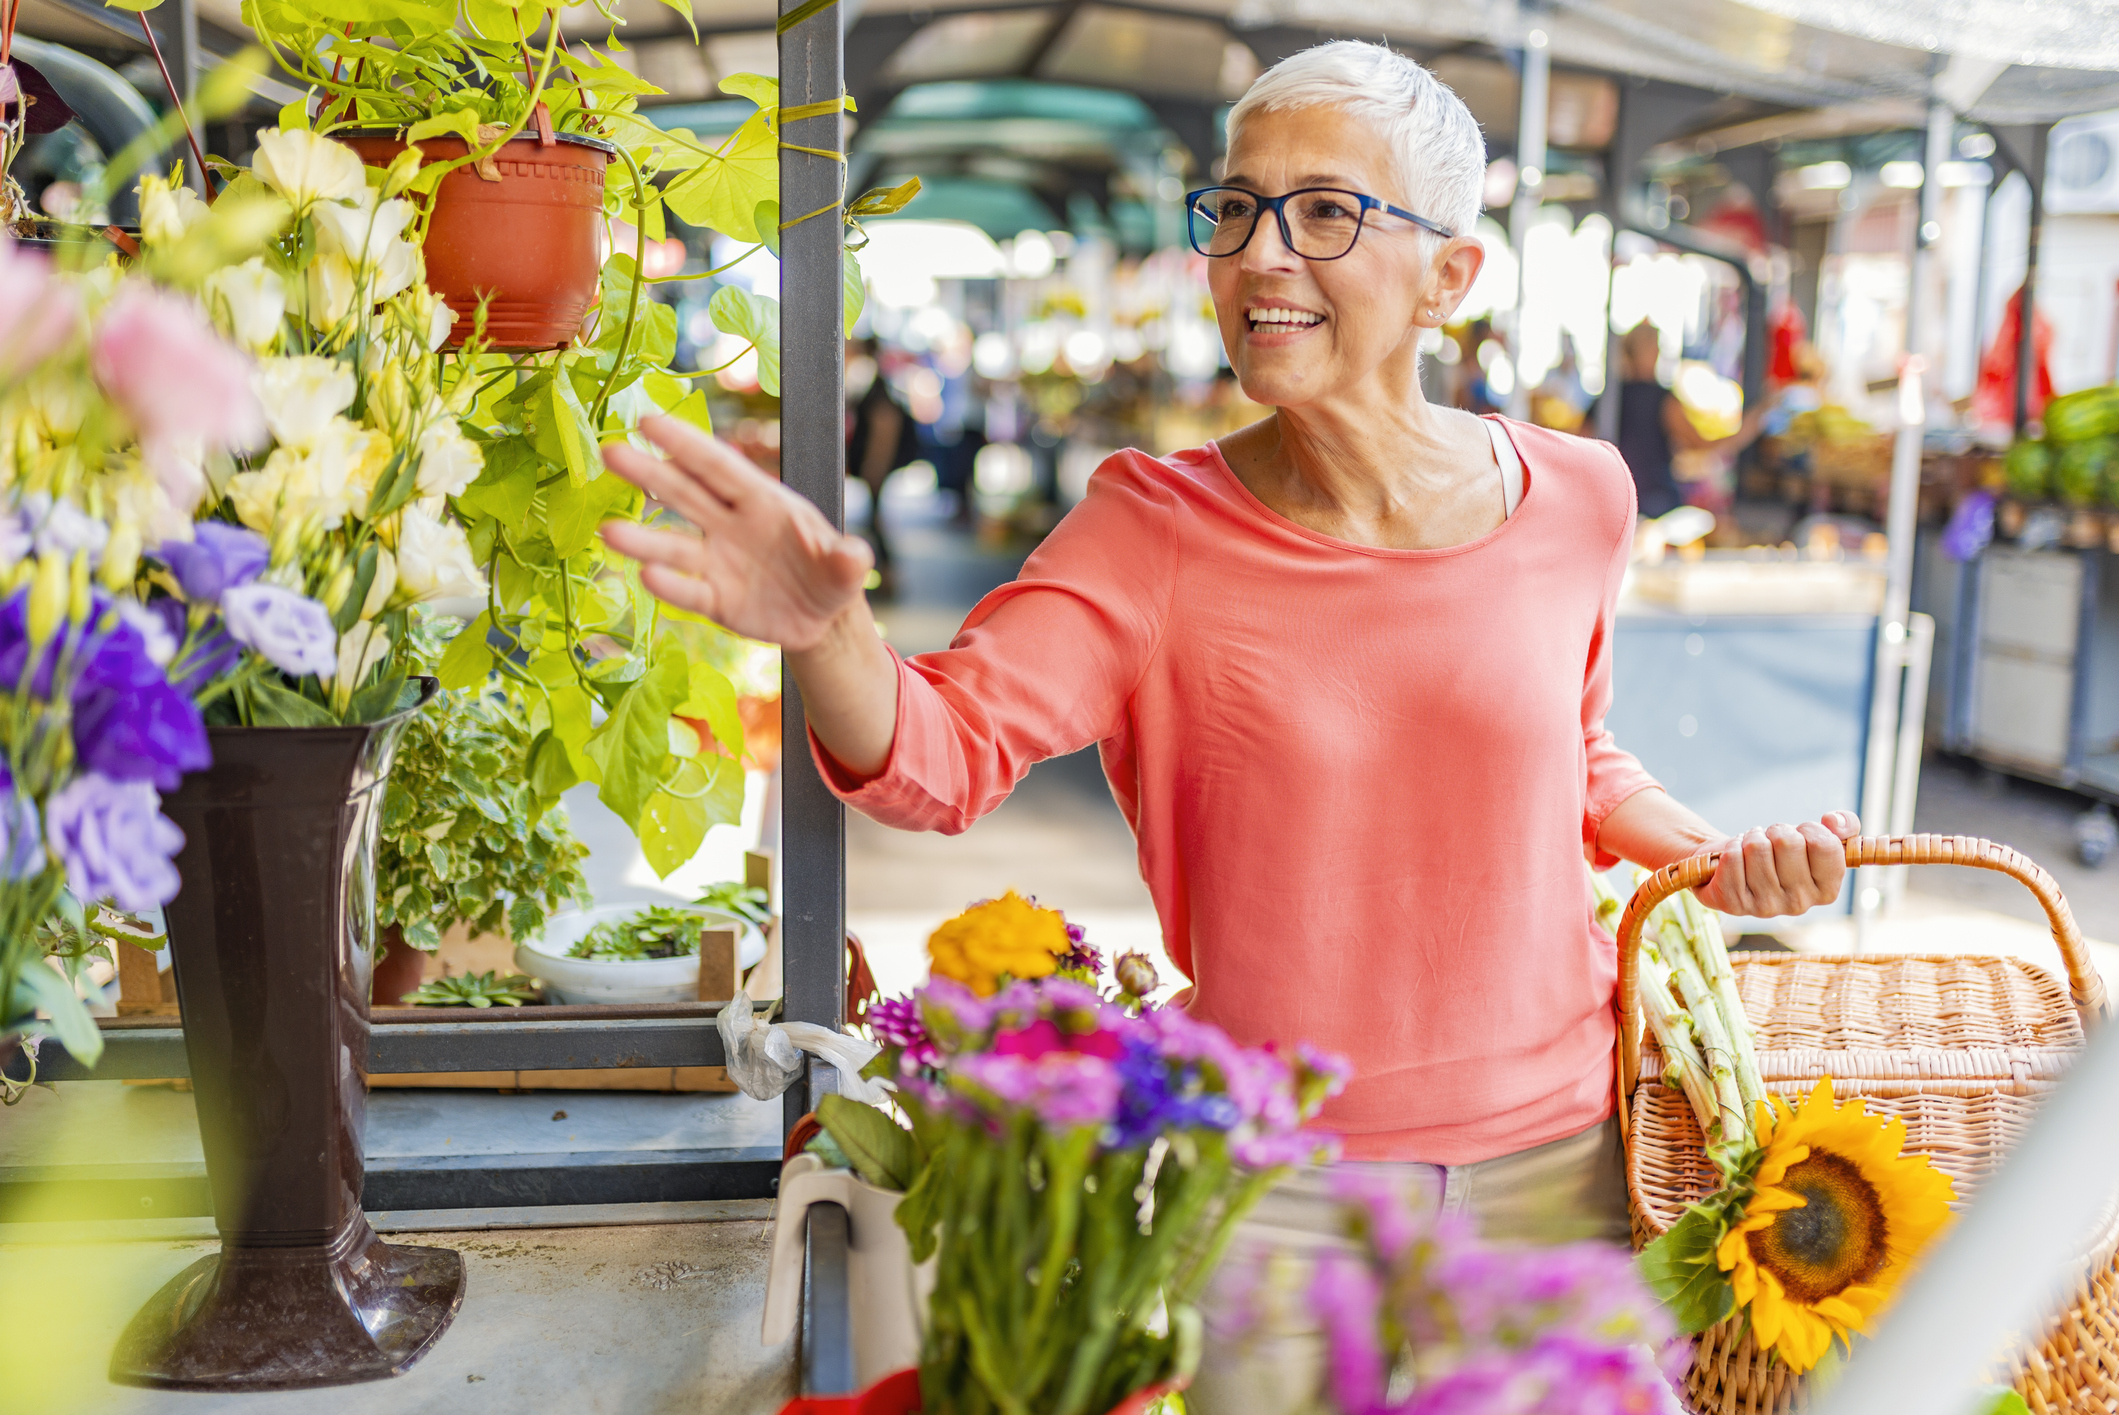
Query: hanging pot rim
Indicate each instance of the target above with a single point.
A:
(528, 134)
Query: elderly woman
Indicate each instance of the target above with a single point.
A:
(1347, 670)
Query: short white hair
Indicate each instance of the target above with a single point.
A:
(1440, 154)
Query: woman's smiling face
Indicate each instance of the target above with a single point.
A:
(1297, 330)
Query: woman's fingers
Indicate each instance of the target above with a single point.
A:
(685, 591)
(1782, 869)
(666, 482)
(710, 462)
(680, 552)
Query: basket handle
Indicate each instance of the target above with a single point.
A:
(2086, 986)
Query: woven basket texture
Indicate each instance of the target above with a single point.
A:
(1959, 1047)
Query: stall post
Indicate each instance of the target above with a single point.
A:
(1888, 711)
(813, 463)
(1530, 177)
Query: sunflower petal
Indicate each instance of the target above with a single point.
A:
(1769, 1309)
(1840, 1311)
(1773, 1200)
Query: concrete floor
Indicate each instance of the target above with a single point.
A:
(637, 1319)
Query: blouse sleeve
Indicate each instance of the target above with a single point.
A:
(1613, 773)
(1045, 665)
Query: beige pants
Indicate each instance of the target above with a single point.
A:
(1559, 1192)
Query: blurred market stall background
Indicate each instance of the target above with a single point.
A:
(1827, 216)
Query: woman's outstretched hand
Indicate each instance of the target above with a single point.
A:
(1781, 869)
(765, 563)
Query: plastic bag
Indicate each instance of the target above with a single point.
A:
(765, 1058)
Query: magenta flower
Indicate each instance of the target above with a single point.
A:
(897, 1023)
(38, 314)
(1063, 1090)
(162, 361)
(1387, 1219)
(1345, 1296)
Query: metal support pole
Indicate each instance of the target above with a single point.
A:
(1887, 693)
(184, 70)
(813, 463)
(2027, 324)
(1530, 180)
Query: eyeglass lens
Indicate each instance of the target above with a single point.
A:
(1321, 225)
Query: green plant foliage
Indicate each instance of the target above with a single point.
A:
(879, 1149)
(745, 901)
(465, 836)
(474, 990)
(657, 931)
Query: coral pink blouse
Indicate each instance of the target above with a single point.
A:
(1361, 780)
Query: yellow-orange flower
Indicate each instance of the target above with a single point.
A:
(1008, 936)
(1837, 1219)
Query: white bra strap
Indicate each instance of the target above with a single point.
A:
(1510, 464)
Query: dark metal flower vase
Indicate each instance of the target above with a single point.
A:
(270, 937)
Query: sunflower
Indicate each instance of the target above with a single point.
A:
(1836, 1217)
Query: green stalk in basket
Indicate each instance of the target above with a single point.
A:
(1703, 933)
(1716, 1048)
(1683, 1066)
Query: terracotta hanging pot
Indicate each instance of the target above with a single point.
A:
(532, 240)
(398, 971)
(270, 935)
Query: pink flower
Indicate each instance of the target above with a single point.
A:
(37, 313)
(1062, 1089)
(163, 362)
(1043, 1038)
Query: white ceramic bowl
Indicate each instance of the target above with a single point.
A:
(582, 980)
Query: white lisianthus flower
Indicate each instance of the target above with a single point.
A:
(360, 648)
(383, 586)
(302, 396)
(248, 301)
(440, 324)
(433, 559)
(307, 169)
(368, 457)
(329, 284)
(448, 461)
(320, 482)
(167, 210)
(363, 231)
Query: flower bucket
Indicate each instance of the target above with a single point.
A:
(270, 936)
(887, 1294)
(899, 1394)
(397, 972)
(533, 240)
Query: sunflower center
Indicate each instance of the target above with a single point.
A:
(1834, 1241)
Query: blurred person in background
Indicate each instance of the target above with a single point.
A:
(880, 438)
(1347, 668)
(1653, 426)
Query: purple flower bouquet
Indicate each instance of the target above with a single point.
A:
(1422, 1318)
(1079, 1171)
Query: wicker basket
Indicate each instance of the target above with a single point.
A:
(1960, 1047)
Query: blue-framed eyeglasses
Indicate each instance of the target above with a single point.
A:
(1316, 223)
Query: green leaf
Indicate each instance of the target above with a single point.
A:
(551, 770)
(884, 201)
(570, 426)
(694, 411)
(468, 659)
(855, 287)
(272, 705)
(376, 701)
(1679, 1269)
(574, 512)
(507, 487)
(2000, 1400)
(631, 744)
(70, 1021)
(724, 190)
(919, 1211)
(395, 486)
(671, 830)
(349, 610)
(753, 317)
(768, 219)
(294, 115)
(712, 700)
(763, 91)
(878, 1147)
(138, 7)
(460, 122)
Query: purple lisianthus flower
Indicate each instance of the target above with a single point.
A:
(218, 558)
(128, 723)
(21, 833)
(114, 841)
(1160, 1096)
(1273, 1149)
(292, 630)
(60, 528)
